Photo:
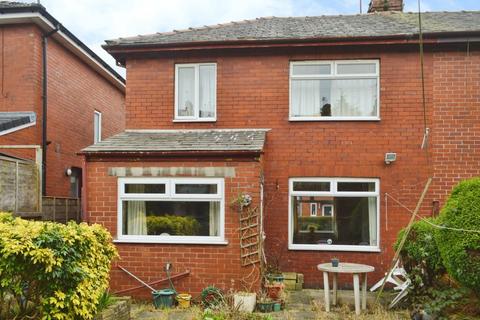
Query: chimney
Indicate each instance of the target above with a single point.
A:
(385, 5)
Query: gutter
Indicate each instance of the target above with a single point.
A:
(154, 155)
(45, 106)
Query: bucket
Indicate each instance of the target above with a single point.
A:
(163, 298)
(184, 300)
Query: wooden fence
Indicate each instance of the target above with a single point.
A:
(61, 209)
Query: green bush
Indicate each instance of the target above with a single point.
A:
(460, 251)
(173, 225)
(52, 271)
(420, 255)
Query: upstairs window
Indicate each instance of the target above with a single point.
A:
(334, 90)
(195, 92)
(97, 127)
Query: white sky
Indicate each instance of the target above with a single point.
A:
(93, 21)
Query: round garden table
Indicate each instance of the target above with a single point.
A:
(344, 267)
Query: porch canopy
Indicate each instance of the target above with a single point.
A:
(211, 141)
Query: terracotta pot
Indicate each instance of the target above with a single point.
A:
(274, 290)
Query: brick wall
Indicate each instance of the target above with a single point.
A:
(253, 92)
(208, 264)
(74, 92)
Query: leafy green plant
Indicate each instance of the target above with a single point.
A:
(52, 271)
(460, 250)
(420, 255)
(173, 225)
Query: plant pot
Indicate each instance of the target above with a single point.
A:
(335, 262)
(244, 301)
(275, 277)
(277, 306)
(266, 306)
(274, 290)
(184, 300)
(163, 298)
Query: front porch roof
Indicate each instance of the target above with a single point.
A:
(215, 140)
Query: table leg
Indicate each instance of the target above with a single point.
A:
(326, 290)
(356, 292)
(334, 300)
(364, 292)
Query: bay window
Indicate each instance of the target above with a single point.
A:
(195, 92)
(171, 210)
(349, 214)
(334, 90)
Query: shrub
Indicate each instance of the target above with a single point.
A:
(52, 271)
(460, 251)
(173, 225)
(420, 255)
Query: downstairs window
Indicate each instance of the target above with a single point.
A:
(347, 220)
(180, 210)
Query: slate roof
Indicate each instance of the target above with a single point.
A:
(379, 24)
(11, 120)
(182, 140)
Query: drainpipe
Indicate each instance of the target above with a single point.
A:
(44, 108)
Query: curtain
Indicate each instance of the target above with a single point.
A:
(136, 213)
(372, 220)
(214, 215)
(354, 97)
(306, 98)
(186, 91)
(207, 91)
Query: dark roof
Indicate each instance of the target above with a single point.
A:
(22, 7)
(182, 140)
(11, 120)
(380, 24)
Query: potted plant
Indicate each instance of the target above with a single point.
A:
(265, 303)
(335, 262)
(244, 301)
(274, 289)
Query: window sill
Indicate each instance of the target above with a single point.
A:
(317, 247)
(293, 119)
(171, 241)
(194, 120)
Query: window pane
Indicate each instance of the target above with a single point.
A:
(96, 127)
(196, 188)
(207, 91)
(311, 186)
(356, 186)
(186, 91)
(310, 98)
(144, 188)
(171, 218)
(349, 221)
(311, 69)
(356, 68)
(353, 97)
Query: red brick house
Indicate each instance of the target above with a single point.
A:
(298, 113)
(57, 95)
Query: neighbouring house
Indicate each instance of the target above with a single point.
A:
(296, 116)
(57, 97)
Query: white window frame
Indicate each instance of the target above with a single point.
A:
(196, 106)
(332, 193)
(333, 67)
(313, 209)
(96, 112)
(170, 195)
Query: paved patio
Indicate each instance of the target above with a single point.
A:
(305, 304)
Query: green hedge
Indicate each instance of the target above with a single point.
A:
(420, 255)
(52, 271)
(460, 251)
(173, 225)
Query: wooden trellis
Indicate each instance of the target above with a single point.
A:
(249, 236)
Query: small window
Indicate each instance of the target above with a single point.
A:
(97, 127)
(195, 92)
(349, 215)
(171, 210)
(336, 90)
